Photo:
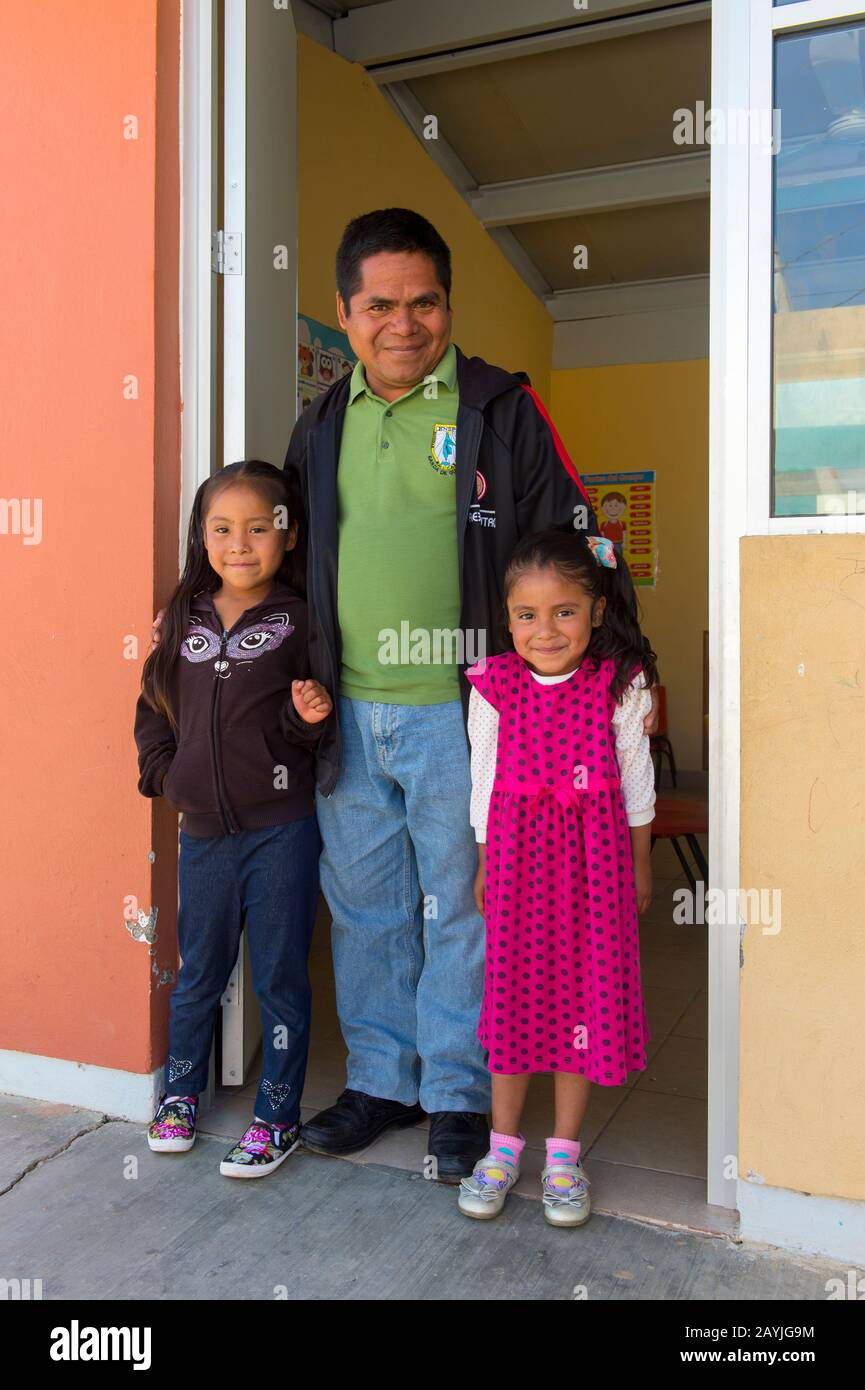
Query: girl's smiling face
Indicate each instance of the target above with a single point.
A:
(244, 544)
(550, 619)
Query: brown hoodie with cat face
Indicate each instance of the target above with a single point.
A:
(241, 757)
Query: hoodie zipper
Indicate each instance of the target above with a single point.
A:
(228, 820)
(226, 813)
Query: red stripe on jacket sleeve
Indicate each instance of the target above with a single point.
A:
(562, 452)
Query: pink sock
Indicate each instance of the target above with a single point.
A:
(562, 1151)
(510, 1146)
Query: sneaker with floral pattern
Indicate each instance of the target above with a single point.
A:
(172, 1129)
(261, 1150)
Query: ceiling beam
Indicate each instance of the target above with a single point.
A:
(402, 29)
(669, 180)
(633, 297)
(662, 335)
(521, 261)
(407, 106)
(409, 109)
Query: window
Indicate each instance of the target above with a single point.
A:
(818, 220)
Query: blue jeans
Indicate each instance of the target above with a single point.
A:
(270, 878)
(397, 868)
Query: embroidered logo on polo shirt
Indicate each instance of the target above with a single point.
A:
(444, 448)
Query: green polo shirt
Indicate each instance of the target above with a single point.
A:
(398, 582)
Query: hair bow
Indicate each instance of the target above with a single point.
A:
(603, 551)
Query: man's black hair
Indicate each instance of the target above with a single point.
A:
(388, 229)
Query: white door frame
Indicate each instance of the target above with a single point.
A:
(728, 437)
(259, 388)
(197, 225)
(727, 454)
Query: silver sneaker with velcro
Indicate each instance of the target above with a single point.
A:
(483, 1194)
(565, 1189)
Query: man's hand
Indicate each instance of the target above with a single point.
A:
(155, 633)
(650, 723)
(480, 878)
(311, 701)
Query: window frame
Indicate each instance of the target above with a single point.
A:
(768, 23)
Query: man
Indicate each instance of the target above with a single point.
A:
(420, 471)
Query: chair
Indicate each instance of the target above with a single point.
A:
(682, 818)
(660, 744)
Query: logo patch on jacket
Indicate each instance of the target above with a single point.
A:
(484, 516)
(443, 455)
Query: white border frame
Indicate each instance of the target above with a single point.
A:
(767, 22)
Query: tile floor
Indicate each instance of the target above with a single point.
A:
(644, 1143)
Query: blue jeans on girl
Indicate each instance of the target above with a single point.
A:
(270, 879)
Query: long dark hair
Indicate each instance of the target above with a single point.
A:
(279, 490)
(619, 636)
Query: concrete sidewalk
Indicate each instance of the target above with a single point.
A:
(74, 1214)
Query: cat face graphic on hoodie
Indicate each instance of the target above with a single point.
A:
(200, 644)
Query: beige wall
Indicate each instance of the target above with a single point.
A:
(654, 415)
(802, 1117)
(355, 154)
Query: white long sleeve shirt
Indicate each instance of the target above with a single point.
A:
(632, 752)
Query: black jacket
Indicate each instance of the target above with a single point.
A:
(513, 477)
(241, 758)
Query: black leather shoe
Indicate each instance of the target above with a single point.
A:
(355, 1121)
(457, 1139)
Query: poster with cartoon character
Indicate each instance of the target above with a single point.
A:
(323, 357)
(624, 504)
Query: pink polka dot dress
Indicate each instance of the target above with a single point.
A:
(562, 988)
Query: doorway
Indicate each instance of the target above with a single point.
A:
(251, 93)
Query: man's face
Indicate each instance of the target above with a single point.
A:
(399, 325)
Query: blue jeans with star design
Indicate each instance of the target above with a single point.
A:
(266, 883)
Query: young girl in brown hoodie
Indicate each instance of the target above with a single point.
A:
(226, 726)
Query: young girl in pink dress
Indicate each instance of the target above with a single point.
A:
(562, 800)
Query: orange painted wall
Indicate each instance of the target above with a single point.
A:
(90, 243)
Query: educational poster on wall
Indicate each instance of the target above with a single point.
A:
(323, 356)
(624, 504)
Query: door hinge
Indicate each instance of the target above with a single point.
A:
(225, 253)
(231, 994)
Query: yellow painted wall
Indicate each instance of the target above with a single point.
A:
(354, 155)
(643, 416)
(802, 1119)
